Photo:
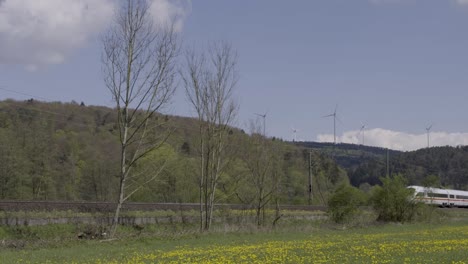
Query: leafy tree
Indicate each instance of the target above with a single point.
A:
(165, 188)
(344, 203)
(14, 168)
(431, 181)
(326, 176)
(392, 201)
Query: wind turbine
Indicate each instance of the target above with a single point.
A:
(334, 124)
(264, 121)
(363, 127)
(428, 130)
(294, 134)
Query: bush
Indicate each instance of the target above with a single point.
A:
(344, 203)
(392, 201)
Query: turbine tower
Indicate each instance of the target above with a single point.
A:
(428, 130)
(294, 134)
(363, 127)
(264, 122)
(334, 124)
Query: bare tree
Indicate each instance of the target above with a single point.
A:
(209, 82)
(263, 172)
(139, 70)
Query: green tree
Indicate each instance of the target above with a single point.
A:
(431, 181)
(14, 168)
(163, 189)
(344, 203)
(392, 201)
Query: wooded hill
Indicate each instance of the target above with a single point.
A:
(69, 151)
(447, 166)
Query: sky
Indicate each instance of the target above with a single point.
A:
(393, 66)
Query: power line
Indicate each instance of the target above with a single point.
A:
(29, 107)
(25, 94)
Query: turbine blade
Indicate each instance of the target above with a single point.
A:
(339, 120)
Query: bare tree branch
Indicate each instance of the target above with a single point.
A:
(138, 62)
(209, 82)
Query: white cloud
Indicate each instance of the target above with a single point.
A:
(166, 11)
(379, 137)
(34, 33)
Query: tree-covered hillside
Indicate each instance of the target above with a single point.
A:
(365, 165)
(447, 165)
(69, 151)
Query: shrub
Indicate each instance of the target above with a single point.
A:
(344, 203)
(392, 201)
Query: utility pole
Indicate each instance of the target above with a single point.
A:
(310, 177)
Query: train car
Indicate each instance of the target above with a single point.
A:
(440, 197)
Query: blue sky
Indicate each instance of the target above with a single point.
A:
(396, 66)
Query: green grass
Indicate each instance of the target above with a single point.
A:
(390, 243)
(294, 240)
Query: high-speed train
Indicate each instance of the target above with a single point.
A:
(440, 197)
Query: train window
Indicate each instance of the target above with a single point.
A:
(452, 196)
(420, 194)
(462, 197)
(437, 195)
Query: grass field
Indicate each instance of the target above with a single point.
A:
(392, 243)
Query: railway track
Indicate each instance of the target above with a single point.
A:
(109, 206)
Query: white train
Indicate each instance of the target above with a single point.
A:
(440, 197)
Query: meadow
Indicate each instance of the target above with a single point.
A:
(379, 243)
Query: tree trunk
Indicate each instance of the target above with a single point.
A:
(115, 221)
(123, 176)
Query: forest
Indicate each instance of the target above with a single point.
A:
(445, 166)
(69, 151)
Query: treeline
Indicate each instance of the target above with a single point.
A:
(346, 148)
(69, 151)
